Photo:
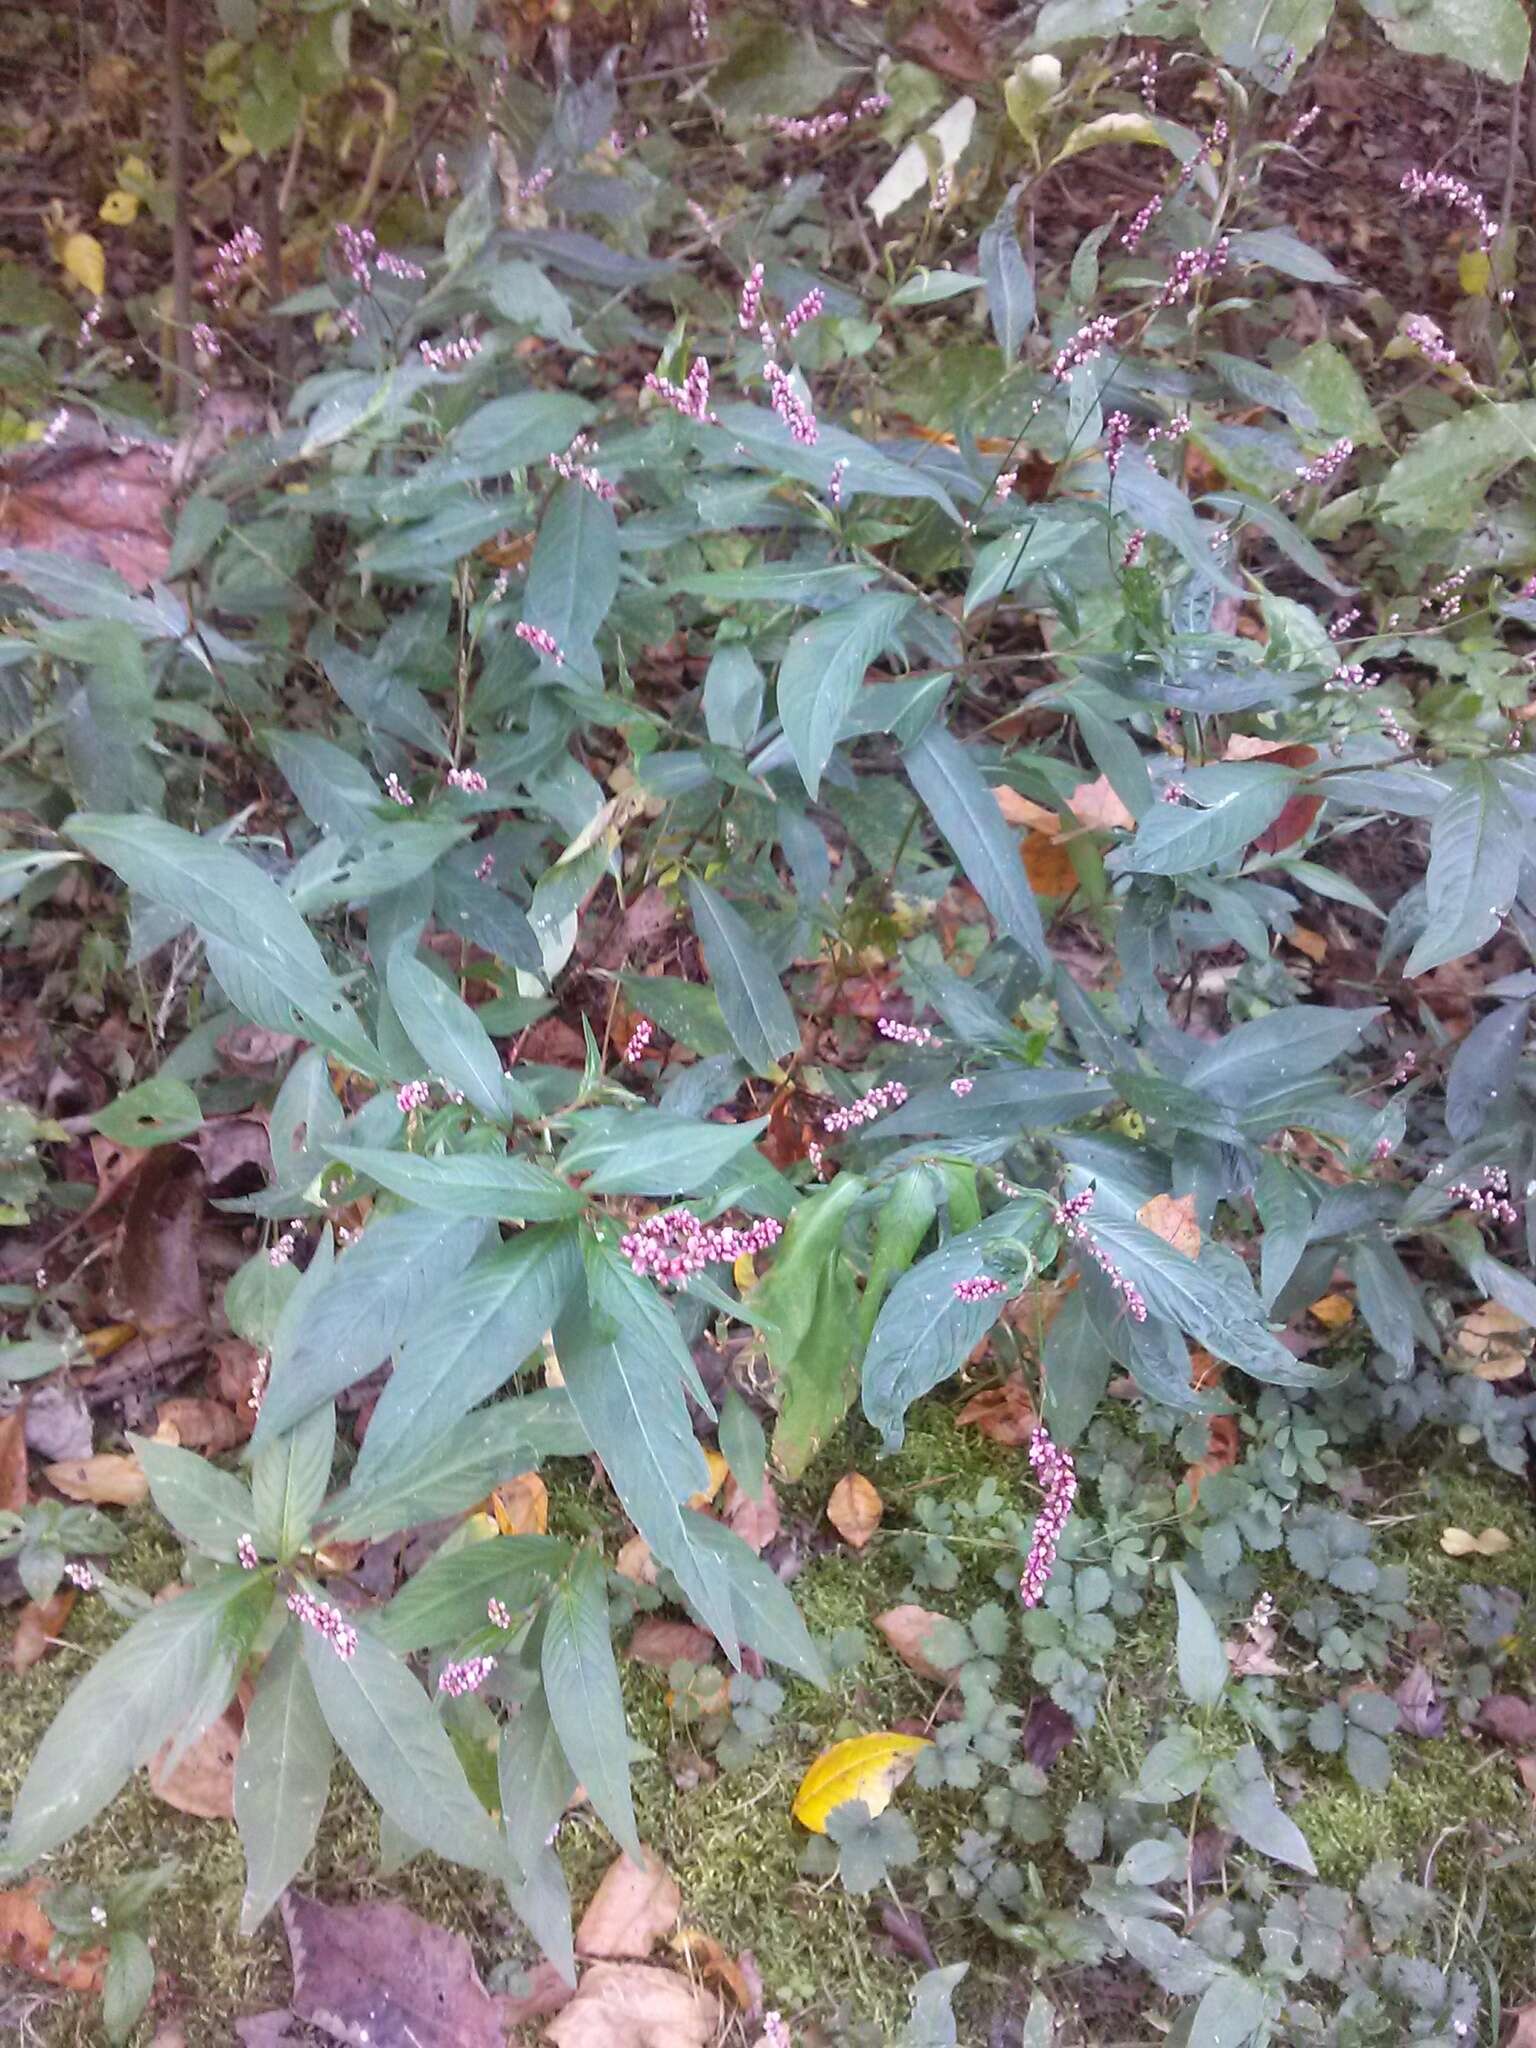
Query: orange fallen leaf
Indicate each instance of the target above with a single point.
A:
(1048, 865)
(907, 1630)
(1172, 1218)
(756, 1522)
(1006, 1414)
(39, 1627)
(634, 1907)
(109, 1479)
(1333, 1311)
(13, 1462)
(109, 1338)
(1096, 805)
(521, 1506)
(1024, 815)
(660, 1643)
(200, 1425)
(1492, 1343)
(635, 1561)
(854, 1509)
(26, 1934)
(708, 1959)
(719, 1472)
(1221, 1448)
(1313, 944)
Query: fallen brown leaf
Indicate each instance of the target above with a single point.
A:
(756, 1522)
(1023, 814)
(1313, 944)
(634, 1908)
(1006, 1414)
(200, 1425)
(635, 1561)
(1492, 1343)
(1222, 1443)
(13, 1462)
(353, 1965)
(1048, 865)
(710, 1960)
(38, 1628)
(1253, 1655)
(854, 1509)
(26, 1935)
(109, 1479)
(157, 1272)
(660, 1643)
(719, 1472)
(521, 1506)
(907, 1630)
(1172, 1218)
(1507, 1717)
(202, 1782)
(544, 1992)
(635, 2005)
(92, 502)
(1096, 805)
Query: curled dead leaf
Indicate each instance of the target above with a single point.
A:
(1096, 805)
(521, 1506)
(13, 1462)
(26, 1935)
(854, 1509)
(109, 1479)
(635, 1561)
(636, 2005)
(634, 1908)
(39, 1627)
(200, 1425)
(1492, 1343)
(202, 1780)
(907, 1630)
(661, 1643)
(1006, 1414)
(756, 1522)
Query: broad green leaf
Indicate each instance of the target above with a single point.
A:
(733, 696)
(823, 671)
(581, 1684)
(1011, 560)
(1440, 483)
(128, 1983)
(1077, 1369)
(157, 1112)
(535, 1778)
(756, 1010)
(806, 1305)
(1010, 287)
(1176, 839)
(944, 775)
(1268, 1052)
(389, 1732)
(489, 1321)
(381, 699)
(1286, 1214)
(905, 1217)
(767, 1619)
(1201, 1659)
(451, 1472)
(1246, 1803)
(1230, 2014)
(1475, 849)
(647, 1152)
(1491, 36)
(333, 787)
(624, 1375)
(491, 1185)
(454, 1045)
(282, 1778)
(207, 1507)
(924, 1333)
(289, 1477)
(446, 1599)
(510, 433)
(743, 1445)
(172, 1673)
(1484, 1069)
(574, 573)
(380, 1284)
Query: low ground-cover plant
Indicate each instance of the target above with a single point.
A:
(657, 673)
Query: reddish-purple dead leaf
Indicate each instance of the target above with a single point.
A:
(1047, 1731)
(1421, 1711)
(1507, 1717)
(378, 1976)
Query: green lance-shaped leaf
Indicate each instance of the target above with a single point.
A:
(945, 776)
(743, 1444)
(756, 1010)
(289, 1477)
(157, 1112)
(536, 1778)
(208, 1508)
(492, 1185)
(1178, 839)
(1476, 845)
(170, 1676)
(1270, 1052)
(648, 1152)
(388, 1730)
(1010, 287)
(447, 1598)
(574, 574)
(1201, 1659)
(454, 1045)
(807, 1305)
(581, 1684)
(282, 1778)
(910, 1208)
(129, 1980)
(766, 1617)
(823, 671)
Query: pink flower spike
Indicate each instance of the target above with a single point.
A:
(469, 780)
(541, 640)
(497, 1613)
(809, 308)
(905, 1034)
(983, 1287)
(639, 1039)
(326, 1621)
(414, 1095)
(1054, 1469)
(961, 1085)
(245, 1553)
(397, 792)
(751, 300)
(81, 1575)
(458, 1679)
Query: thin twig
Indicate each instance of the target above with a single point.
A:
(184, 382)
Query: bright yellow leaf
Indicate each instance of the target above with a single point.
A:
(1333, 1311)
(719, 1472)
(82, 256)
(119, 209)
(867, 1767)
(109, 1338)
(1474, 272)
(744, 1273)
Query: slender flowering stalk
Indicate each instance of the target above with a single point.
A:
(1322, 469)
(469, 780)
(691, 397)
(698, 20)
(486, 869)
(639, 1039)
(1089, 342)
(458, 1679)
(245, 1552)
(1487, 1196)
(1217, 139)
(1135, 548)
(541, 640)
(229, 261)
(791, 407)
(817, 127)
(1069, 1220)
(1429, 340)
(835, 482)
(326, 1621)
(206, 341)
(1057, 1475)
(751, 302)
(889, 1095)
(1301, 125)
(357, 246)
(672, 1245)
(905, 1034)
(397, 792)
(1003, 488)
(961, 1085)
(574, 470)
(811, 307)
(282, 1251)
(497, 1613)
(1131, 240)
(1117, 429)
(775, 2032)
(81, 1575)
(450, 355)
(1175, 429)
(1455, 192)
(402, 267)
(982, 1287)
(413, 1095)
(1190, 266)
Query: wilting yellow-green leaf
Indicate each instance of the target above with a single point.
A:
(866, 1767)
(82, 256)
(1473, 271)
(1110, 128)
(119, 209)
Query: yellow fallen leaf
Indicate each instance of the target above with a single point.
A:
(119, 209)
(108, 1479)
(1462, 1543)
(719, 1472)
(854, 1509)
(1492, 1342)
(867, 1767)
(83, 257)
(1048, 865)
(1172, 1218)
(1313, 944)
(1474, 271)
(109, 1338)
(1110, 128)
(521, 1507)
(744, 1273)
(1333, 1311)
